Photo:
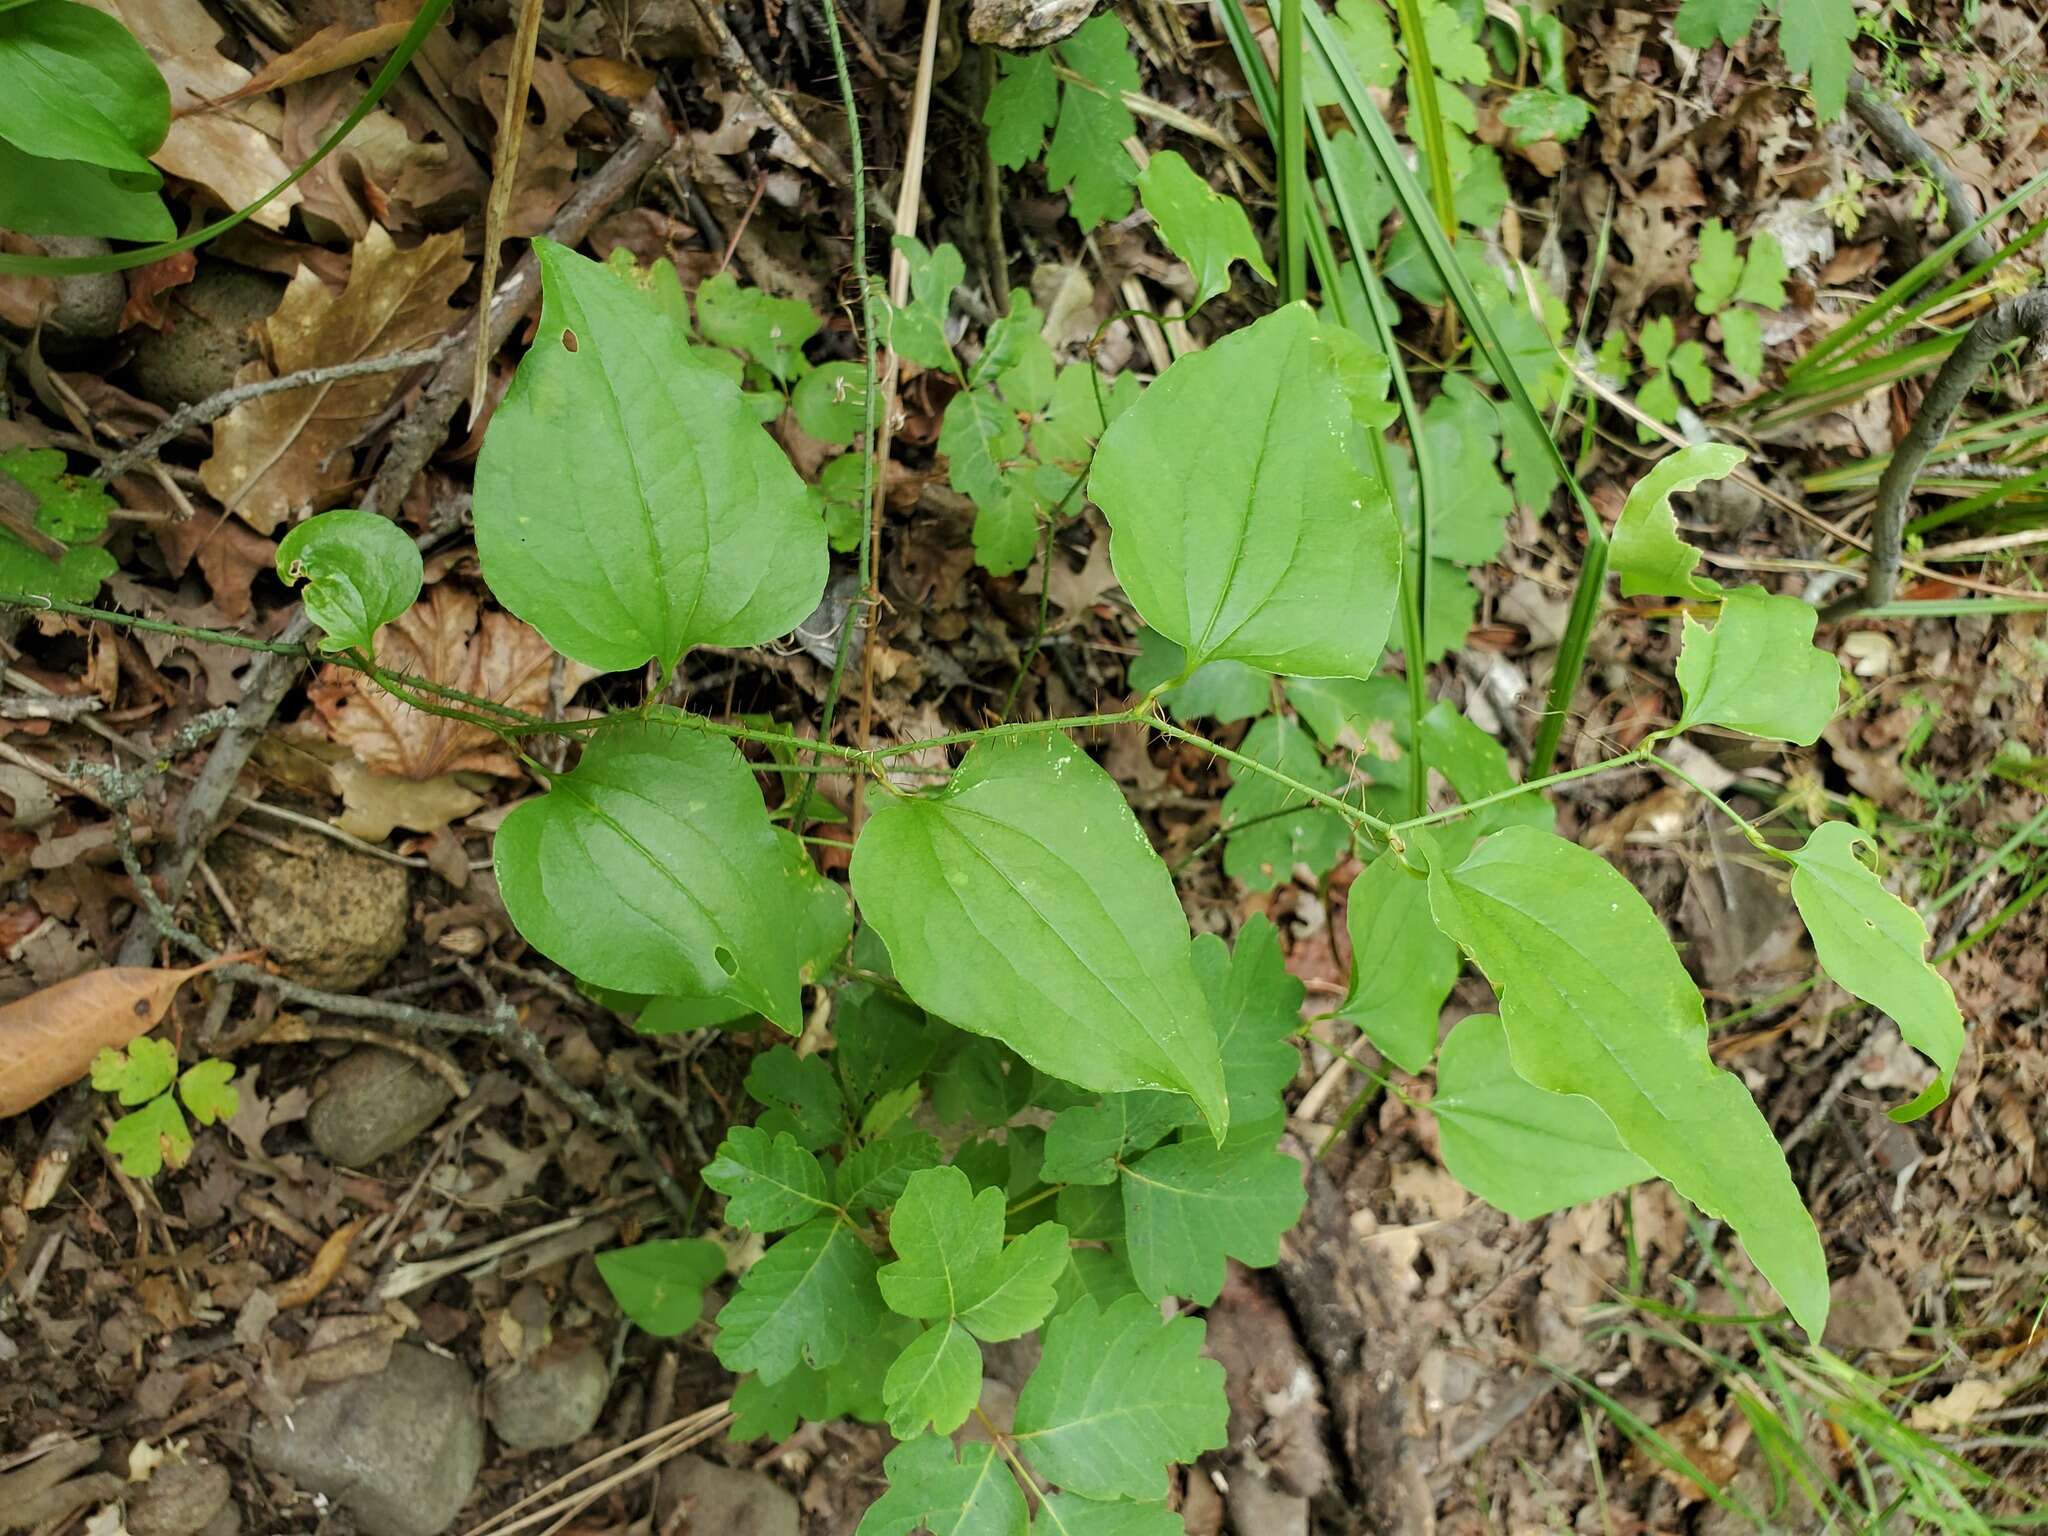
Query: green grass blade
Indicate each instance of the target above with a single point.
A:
(1415, 207)
(1422, 107)
(1293, 146)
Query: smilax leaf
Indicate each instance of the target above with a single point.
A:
(1249, 531)
(360, 570)
(660, 1284)
(1872, 944)
(652, 868)
(1758, 671)
(627, 505)
(1595, 1001)
(1518, 1147)
(1024, 903)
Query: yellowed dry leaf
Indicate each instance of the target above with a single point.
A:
(281, 454)
(337, 46)
(232, 151)
(49, 1038)
(441, 637)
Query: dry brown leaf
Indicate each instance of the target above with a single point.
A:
(616, 78)
(231, 151)
(305, 1288)
(230, 555)
(145, 283)
(441, 638)
(49, 1038)
(337, 46)
(283, 453)
(547, 165)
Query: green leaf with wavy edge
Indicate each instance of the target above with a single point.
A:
(628, 506)
(873, 1177)
(1757, 669)
(1874, 946)
(1254, 535)
(73, 578)
(1190, 1205)
(1119, 1395)
(1066, 1514)
(1701, 23)
(952, 1261)
(1023, 903)
(1087, 155)
(1595, 1001)
(803, 1302)
(652, 868)
(76, 85)
(1647, 553)
(1200, 225)
(1255, 1004)
(935, 1382)
(660, 1284)
(1270, 828)
(769, 1182)
(1023, 105)
(917, 329)
(1402, 968)
(1716, 270)
(933, 1489)
(800, 1095)
(1083, 1144)
(770, 330)
(1764, 272)
(69, 508)
(360, 571)
(1816, 36)
(1518, 1147)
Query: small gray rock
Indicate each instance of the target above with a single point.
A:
(374, 1103)
(227, 1523)
(400, 1449)
(1257, 1508)
(550, 1401)
(725, 1499)
(333, 918)
(208, 337)
(89, 304)
(1866, 1311)
(181, 1498)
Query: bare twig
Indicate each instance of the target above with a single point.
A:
(1890, 129)
(289, 1029)
(213, 407)
(511, 129)
(1997, 328)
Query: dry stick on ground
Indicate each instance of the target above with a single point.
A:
(899, 295)
(2025, 316)
(504, 172)
(1890, 129)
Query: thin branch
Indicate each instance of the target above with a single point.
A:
(2024, 316)
(1890, 129)
(213, 407)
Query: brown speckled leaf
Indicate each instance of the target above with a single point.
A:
(285, 454)
(442, 637)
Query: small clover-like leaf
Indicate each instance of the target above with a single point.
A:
(1542, 113)
(208, 1093)
(137, 1074)
(1742, 340)
(1874, 945)
(360, 570)
(660, 1284)
(1764, 272)
(769, 1182)
(1758, 671)
(1200, 225)
(917, 329)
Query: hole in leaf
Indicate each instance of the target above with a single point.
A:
(568, 340)
(727, 961)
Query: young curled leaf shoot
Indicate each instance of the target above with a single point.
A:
(360, 571)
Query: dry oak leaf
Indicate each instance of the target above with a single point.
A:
(443, 638)
(285, 453)
(49, 1038)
